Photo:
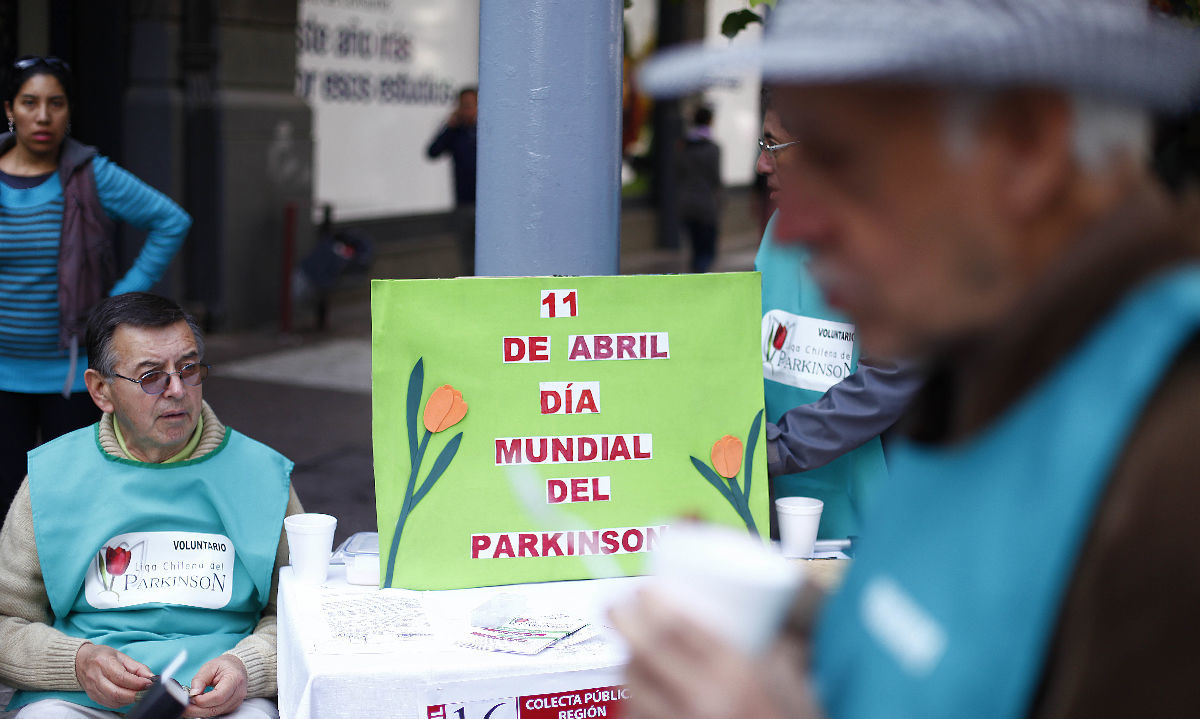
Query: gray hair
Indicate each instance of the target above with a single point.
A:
(137, 309)
(1103, 130)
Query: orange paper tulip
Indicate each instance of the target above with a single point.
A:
(444, 409)
(727, 456)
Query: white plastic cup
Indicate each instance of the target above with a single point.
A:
(310, 542)
(727, 580)
(799, 518)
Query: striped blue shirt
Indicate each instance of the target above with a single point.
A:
(30, 224)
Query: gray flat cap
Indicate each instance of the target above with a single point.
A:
(1108, 48)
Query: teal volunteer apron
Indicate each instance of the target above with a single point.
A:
(952, 600)
(154, 558)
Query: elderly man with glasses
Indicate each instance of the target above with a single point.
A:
(826, 407)
(154, 531)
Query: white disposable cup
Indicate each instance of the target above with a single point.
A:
(727, 580)
(799, 518)
(310, 542)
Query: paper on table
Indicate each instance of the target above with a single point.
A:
(836, 554)
(523, 635)
(373, 621)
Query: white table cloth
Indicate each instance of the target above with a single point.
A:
(432, 678)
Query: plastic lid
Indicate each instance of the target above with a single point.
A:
(360, 544)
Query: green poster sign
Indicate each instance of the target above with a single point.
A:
(533, 429)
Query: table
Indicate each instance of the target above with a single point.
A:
(825, 573)
(431, 678)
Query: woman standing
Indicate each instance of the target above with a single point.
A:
(58, 203)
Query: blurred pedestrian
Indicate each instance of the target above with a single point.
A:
(972, 186)
(458, 137)
(58, 203)
(700, 189)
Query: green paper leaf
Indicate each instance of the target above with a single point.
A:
(735, 22)
(416, 384)
(751, 442)
(439, 466)
(715, 480)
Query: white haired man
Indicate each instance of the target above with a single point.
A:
(970, 180)
(156, 530)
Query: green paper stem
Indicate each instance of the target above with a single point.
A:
(736, 490)
(743, 507)
(406, 507)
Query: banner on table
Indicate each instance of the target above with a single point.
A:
(534, 429)
(599, 703)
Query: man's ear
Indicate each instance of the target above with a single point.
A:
(1035, 128)
(99, 389)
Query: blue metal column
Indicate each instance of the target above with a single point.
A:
(548, 189)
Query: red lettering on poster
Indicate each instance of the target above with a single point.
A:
(526, 349)
(609, 540)
(556, 490)
(479, 542)
(603, 347)
(579, 349)
(625, 344)
(550, 546)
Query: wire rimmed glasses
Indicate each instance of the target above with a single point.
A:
(764, 146)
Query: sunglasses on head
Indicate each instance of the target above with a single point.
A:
(24, 63)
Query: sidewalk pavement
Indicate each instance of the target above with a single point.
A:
(308, 393)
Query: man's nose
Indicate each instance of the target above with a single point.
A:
(764, 164)
(175, 386)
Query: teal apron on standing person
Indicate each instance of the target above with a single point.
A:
(153, 558)
(953, 598)
(790, 297)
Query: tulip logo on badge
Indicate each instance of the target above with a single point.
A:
(775, 339)
(111, 562)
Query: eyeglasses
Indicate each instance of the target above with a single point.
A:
(155, 381)
(28, 61)
(764, 146)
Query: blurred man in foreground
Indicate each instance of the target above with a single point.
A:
(156, 530)
(973, 189)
